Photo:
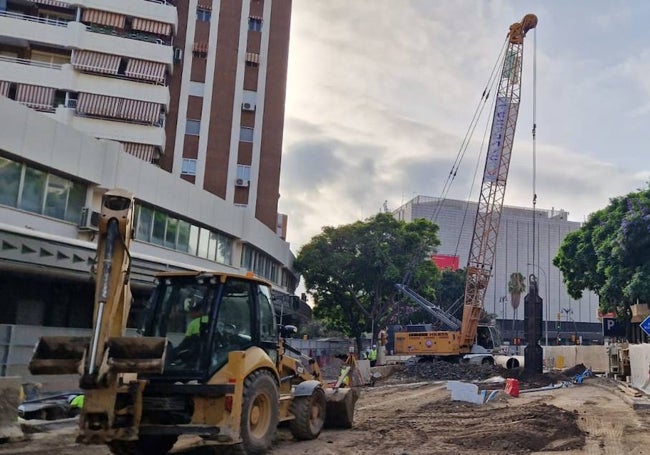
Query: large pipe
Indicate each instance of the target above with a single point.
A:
(509, 362)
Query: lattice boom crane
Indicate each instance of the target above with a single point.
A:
(495, 175)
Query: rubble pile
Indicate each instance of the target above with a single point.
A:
(442, 370)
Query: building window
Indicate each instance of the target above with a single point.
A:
(189, 166)
(192, 127)
(255, 24)
(40, 192)
(243, 172)
(246, 134)
(203, 15)
(195, 88)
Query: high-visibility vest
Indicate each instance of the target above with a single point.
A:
(372, 355)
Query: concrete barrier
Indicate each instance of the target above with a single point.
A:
(640, 366)
(594, 357)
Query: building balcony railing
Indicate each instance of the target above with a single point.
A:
(129, 34)
(40, 20)
(22, 61)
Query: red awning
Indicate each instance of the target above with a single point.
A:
(35, 96)
(144, 69)
(4, 88)
(252, 57)
(96, 16)
(95, 61)
(149, 26)
(145, 152)
(100, 105)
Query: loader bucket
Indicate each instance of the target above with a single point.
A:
(58, 355)
(137, 354)
(340, 407)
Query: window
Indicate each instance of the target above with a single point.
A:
(195, 88)
(158, 231)
(144, 223)
(266, 314)
(183, 242)
(243, 172)
(56, 196)
(246, 134)
(255, 24)
(170, 234)
(10, 173)
(33, 191)
(189, 166)
(192, 127)
(203, 15)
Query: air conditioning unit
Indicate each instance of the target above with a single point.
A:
(248, 106)
(89, 220)
(242, 182)
(178, 55)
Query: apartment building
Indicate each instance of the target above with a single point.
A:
(181, 103)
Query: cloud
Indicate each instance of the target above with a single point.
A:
(380, 98)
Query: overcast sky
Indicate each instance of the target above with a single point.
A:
(381, 93)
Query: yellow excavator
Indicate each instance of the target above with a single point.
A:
(208, 360)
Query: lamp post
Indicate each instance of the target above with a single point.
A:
(547, 303)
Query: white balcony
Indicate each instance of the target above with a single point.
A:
(76, 35)
(65, 77)
(109, 129)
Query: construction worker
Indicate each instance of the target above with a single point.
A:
(372, 355)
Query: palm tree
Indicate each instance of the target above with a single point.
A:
(516, 287)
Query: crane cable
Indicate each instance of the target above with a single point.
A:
(468, 134)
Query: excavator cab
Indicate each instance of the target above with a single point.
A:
(206, 316)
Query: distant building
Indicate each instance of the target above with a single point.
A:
(514, 253)
(187, 101)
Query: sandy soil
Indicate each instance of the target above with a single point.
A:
(418, 418)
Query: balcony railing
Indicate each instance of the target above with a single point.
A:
(128, 34)
(22, 61)
(40, 20)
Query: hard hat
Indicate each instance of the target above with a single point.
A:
(374, 346)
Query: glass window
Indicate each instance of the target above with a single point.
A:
(255, 24)
(203, 243)
(76, 201)
(246, 134)
(203, 15)
(56, 196)
(224, 251)
(243, 172)
(266, 315)
(183, 236)
(170, 234)
(158, 231)
(189, 166)
(192, 127)
(194, 240)
(144, 223)
(234, 321)
(33, 191)
(212, 245)
(10, 173)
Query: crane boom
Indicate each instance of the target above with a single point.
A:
(495, 174)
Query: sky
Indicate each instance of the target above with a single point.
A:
(380, 94)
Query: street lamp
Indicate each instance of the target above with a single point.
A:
(547, 303)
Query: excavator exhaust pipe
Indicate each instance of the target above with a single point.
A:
(66, 355)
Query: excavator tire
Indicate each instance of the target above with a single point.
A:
(260, 412)
(309, 415)
(146, 445)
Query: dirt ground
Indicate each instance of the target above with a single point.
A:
(409, 418)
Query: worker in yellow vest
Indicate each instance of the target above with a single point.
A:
(372, 355)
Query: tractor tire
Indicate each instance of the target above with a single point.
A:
(146, 445)
(260, 413)
(309, 413)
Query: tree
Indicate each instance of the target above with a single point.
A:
(352, 270)
(516, 287)
(610, 254)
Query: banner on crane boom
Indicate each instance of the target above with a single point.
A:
(497, 138)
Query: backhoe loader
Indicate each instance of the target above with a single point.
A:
(209, 360)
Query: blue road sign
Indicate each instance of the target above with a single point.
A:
(645, 325)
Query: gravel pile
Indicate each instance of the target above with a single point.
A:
(441, 370)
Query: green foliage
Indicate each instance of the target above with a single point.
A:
(610, 254)
(352, 270)
(516, 287)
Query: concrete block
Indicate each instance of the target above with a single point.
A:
(462, 391)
